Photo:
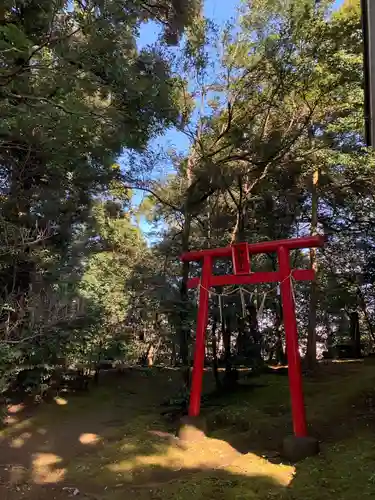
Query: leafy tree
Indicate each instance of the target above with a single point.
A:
(74, 92)
(285, 105)
(273, 109)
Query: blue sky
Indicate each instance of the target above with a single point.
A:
(220, 11)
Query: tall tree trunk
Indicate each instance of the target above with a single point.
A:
(363, 306)
(231, 374)
(227, 344)
(355, 334)
(330, 336)
(311, 330)
(245, 322)
(173, 354)
(184, 327)
(279, 349)
(215, 364)
(152, 353)
(254, 333)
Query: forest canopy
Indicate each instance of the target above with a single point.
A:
(271, 106)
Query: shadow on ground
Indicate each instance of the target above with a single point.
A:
(112, 445)
(45, 465)
(339, 398)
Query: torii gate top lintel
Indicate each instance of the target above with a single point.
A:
(254, 248)
(240, 254)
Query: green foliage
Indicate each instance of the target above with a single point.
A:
(119, 246)
(74, 92)
(266, 104)
(283, 101)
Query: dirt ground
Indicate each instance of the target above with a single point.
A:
(39, 442)
(40, 445)
(112, 443)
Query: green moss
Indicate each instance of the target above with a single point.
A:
(344, 471)
(133, 460)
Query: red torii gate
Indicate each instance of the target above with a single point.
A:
(240, 254)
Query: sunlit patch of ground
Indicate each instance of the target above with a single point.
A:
(10, 420)
(114, 445)
(19, 441)
(88, 438)
(46, 470)
(207, 455)
(13, 409)
(60, 401)
(14, 427)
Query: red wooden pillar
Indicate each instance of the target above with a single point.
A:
(291, 339)
(199, 351)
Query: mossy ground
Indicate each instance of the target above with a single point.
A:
(112, 443)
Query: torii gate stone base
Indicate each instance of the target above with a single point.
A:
(300, 444)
